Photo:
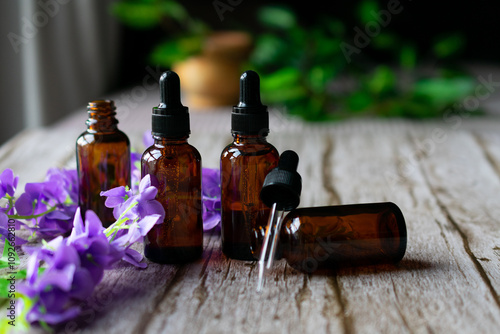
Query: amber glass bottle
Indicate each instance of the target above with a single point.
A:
(103, 159)
(175, 169)
(244, 166)
(344, 235)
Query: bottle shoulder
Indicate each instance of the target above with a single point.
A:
(87, 138)
(179, 151)
(236, 150)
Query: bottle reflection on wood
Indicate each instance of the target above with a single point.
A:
(103, 159)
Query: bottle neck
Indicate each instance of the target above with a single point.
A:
(249, 139)
(101, 116)
(163, 141)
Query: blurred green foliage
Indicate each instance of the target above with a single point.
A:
(186, 33)
(304, 68)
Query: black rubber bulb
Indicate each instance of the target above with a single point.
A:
(250, 90)
(170, 117)
(283, 184)
(289, 161)
(170, 91)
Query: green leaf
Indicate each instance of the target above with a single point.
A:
(4, 261)
(137, 15)
(408, 57)
(173, 51)
(382, 80)
(385, 41)
(335, 27)
(367, 11)
(319, 76)
(277, 17)
(443, 91)
(283, 85)
(5, 283)
(268, 49)
(359, 101)
(174, 10)
(448, 45)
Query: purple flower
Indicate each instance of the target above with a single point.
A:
(8, 183)
(211, 194)
(50, 204)
(121, 201)
(74, 266)
(147, 139)
(116, 199)
(5, 227)
(64, 184)
(137, 230)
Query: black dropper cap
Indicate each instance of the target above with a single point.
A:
(250, 116)
(170, 118)
(283, 184)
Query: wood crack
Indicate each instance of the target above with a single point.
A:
(491, 160)
(303, 294)
(463, 236)
(346, 318)
(143, 324)
(326, 172)
(470, 253)
(398, 307)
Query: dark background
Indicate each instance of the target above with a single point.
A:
(420, 21)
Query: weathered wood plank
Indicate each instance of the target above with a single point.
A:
(449, 280)
(220, 297)
(464, 179)
(436, 287)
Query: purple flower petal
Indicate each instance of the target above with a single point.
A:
(116, 196)
(8, 183)
(147, 139)
(93, 225)
(61, 278)
(24, 205)
(145, 183)
(134, 257)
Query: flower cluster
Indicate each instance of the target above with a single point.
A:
(64, 271)
(48, 207)
(75, 265)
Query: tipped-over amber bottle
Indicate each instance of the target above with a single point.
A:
(244, 165)
(175, 169)
(103, 159)
(344, 235)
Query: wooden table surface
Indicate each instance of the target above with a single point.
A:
(443, 174)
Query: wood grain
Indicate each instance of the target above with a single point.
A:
(444, 176)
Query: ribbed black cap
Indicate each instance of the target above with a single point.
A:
(283, 184)
(170, 118)
(250, 116)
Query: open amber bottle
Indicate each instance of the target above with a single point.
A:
(175, 169)
(244, 165)
(103, 159)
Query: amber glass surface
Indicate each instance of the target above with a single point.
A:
(175, 169)
(347, 235)
(244, 166)
(103, 159)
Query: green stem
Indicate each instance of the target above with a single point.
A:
(117, 226)
(32, 216)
